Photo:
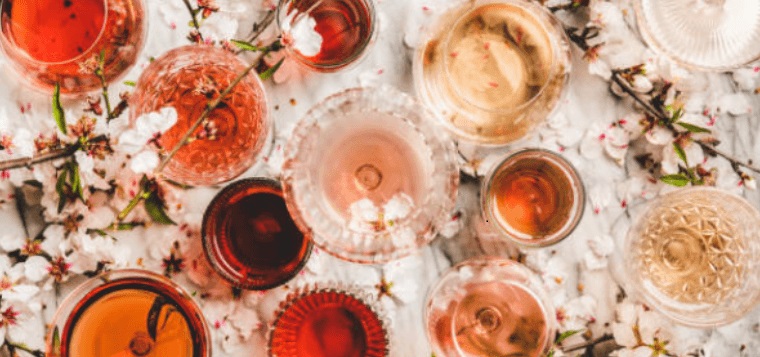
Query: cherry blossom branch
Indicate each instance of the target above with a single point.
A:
(48, 156)
(592, 343)
(194, 16)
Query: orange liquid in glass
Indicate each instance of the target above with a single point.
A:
(56, 30)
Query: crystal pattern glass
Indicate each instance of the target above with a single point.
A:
(693, 255)
(492, 69)
(533, 197)
(54, 41)
(129, 313)
(328, 322)
(371, 174)
(249, 237)
(346, 29)
(489, 307)
(702, 34)
(231, 139)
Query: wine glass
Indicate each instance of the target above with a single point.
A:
(489, 306)
(51, 42)
(714, 35)
(370, 174)
(693, 255)
(250, 238)
(492, 69)
(328, 321)
(326, 35)
(128, 313)
(534, 197)
(234, 136)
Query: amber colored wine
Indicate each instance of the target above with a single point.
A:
(492, 319)
(228, 141)
(60, 41)
(375, 159)
(327, 323)
(113, 320)
(250, 238)
(345, 26)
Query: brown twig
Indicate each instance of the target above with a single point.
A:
(48, 156)
(194, 16)
(581, 346)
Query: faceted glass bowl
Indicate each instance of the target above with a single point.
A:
(693, 255)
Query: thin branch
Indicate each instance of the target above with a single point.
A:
(194, 16)
(581, 346)
(49, 156)
(100, 72)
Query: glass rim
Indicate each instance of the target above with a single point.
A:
(211, 246)
(194, 319)
(296, 175)
(360, 53)
(9, 43)
(539, 293)
(535, 12)
(514, 235)
(349, 290)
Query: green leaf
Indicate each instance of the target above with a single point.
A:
(60, 117)
(678, 180)
(551, 353)
(681, 154)
(270, 72)
(156, 209)
(130, 83)
(246, 46)
(693, 128)
(567, 334)
(56, 342)
(76, 180)
(60, 188)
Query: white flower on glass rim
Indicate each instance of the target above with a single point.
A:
(363, 214)
(148, 127)
(397, 208)
(299, 31)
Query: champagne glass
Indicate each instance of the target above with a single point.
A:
(715, 35)
(489, 306)
(231, 139)
(692, 255)
(370, 174)
(344, 31)
(533, 197)
(250, 238)
(492, 69)
(129, 313)
(328, 321)
(51, 42)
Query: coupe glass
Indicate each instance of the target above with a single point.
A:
(232, 138)
(249, 237)
(346, 28)
(489, 307)
(55, 41)
(493, 69)
(129, 313)
(371, 174)
(328, 322)
(693, 255)
(533, 197)
(702, 34)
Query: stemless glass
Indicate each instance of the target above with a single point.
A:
(370, 174)
(693, 255)
(493, 69)
(54, 41)
(249, 237)
(129, 313)
(713, 35)
(233, 136)
(346, 29)
(533, 197)
(489, 307)
(328, 322)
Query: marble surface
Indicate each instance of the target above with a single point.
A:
(588, 103)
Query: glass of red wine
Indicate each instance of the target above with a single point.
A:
(64, 42)
(250, 238)
(326, 35)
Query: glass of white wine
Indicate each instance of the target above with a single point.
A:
(693, 255)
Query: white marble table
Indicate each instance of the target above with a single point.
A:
(588, 103)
